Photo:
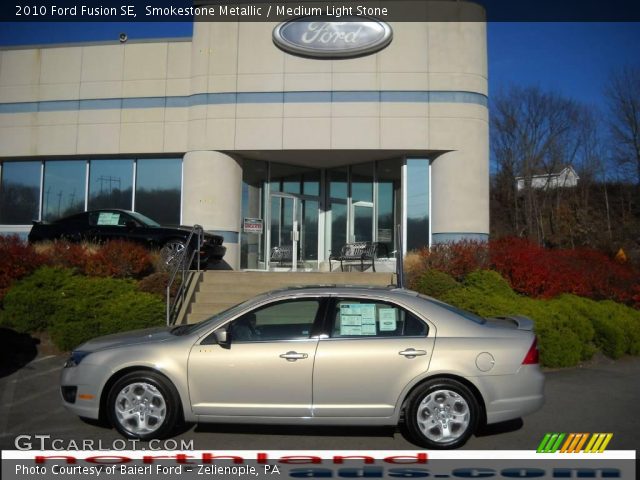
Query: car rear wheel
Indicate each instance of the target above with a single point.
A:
(441, 413)
(143, 405)
(171, 251)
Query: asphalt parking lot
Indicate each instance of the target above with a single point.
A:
(602, 396)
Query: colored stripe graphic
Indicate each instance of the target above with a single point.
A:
(550, 443)
(598, 442)
(574, 443)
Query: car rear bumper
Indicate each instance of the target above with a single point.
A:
(212, 252)
(512, 396)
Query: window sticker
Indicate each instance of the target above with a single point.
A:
(369, 329)
(388, 319)
(357, 319)
(368, 313)
(108, 218)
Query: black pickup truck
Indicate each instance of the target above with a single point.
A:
(112, 224)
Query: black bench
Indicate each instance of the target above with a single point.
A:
(281, 255)
(358, 252)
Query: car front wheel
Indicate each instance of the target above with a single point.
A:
(441, 413)
(143, 405)
(171, 251)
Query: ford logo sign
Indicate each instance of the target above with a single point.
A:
(318, 37)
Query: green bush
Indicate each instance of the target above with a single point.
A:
(569, 328)
(435, 283)
(31, 302)
(75, 308)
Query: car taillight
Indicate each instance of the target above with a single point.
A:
(532, 356)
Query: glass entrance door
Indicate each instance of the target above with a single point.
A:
(361, 222)
(285, 232)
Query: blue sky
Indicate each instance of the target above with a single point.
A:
(573, 59)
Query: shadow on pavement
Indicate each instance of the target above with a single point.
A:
(16, 350)
(502, 427)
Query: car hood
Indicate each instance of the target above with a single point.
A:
(134, 337)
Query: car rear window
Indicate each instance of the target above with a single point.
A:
(463, 313)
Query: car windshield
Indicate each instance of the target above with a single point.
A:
(201, 326)
(144, 219)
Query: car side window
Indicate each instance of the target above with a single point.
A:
(288, 320)
(360, 318)
(107, 219)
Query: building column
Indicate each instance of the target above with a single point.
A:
(460, 196)
(212, 197)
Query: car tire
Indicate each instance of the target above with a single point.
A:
(171, 250)
(143, 405)
(441, 414)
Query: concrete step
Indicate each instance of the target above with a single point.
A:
(225, 288)
(204, 301)
(219, 290)
(198, 317)
(241, 279)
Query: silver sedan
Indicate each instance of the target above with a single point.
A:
(315, 355)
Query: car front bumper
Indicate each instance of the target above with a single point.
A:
(85, 402)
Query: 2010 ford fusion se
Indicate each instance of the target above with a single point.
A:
(315, 355)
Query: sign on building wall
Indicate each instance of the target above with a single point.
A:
(252, 225)
(319, 38)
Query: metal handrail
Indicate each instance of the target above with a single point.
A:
(182, 267)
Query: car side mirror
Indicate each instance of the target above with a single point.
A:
(130, 224)
(222, 337)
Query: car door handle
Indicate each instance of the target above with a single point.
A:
(293, 356)
(412, 352)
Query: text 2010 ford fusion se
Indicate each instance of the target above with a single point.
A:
(315, 355)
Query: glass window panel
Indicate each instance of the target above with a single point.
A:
(311, 183)
(362, 223)
(282, 321)
(110, 184)
(158, 184)
(286, 178)
(64, 188)
(338, 226)
(275, 221)
(417, 203)
(338, 186)
(309, 237)
(362, 182)
(357, 318)
(388, 177)
(19, 193)
(291, 184)
(254, 178)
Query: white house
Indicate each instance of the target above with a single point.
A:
(567, 177)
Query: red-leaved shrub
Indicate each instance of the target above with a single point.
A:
(537, 271)
(457, 259)
(542, 272)
(17, 259)
(119, 259)
(64, 254)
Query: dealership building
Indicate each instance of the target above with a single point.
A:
(306, 135)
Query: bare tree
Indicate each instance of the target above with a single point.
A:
(534, 133)
(623, 95)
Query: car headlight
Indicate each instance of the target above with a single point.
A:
(75, 358)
